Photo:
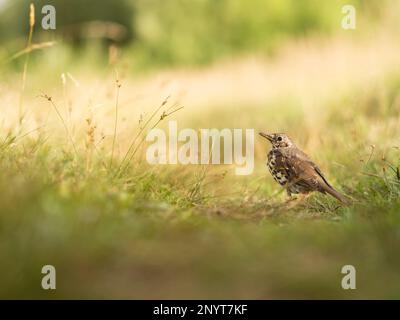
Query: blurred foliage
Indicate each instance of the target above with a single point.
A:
(187, 32)
(200, 30)
(73, 19)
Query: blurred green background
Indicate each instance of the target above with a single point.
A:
(164, 33)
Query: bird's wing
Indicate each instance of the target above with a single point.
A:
(304, 171)
(309, 175)
(308, 162)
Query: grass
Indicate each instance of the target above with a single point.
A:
(141, 236)
(77, 193)
(201, 232)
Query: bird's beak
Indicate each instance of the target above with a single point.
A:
(266, 136)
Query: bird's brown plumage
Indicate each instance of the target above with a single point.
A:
(294, 170)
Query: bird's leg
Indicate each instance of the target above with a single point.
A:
(304, 196)
(290, 197)
(300, 198)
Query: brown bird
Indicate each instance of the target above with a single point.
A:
(294, 170)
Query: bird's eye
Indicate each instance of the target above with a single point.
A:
(279, 139)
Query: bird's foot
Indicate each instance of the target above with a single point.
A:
(292, 201)
(304, 196)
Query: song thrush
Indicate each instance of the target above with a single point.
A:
(294, 170)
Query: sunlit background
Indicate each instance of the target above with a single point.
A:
(76, 191)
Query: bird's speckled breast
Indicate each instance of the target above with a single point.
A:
(278, 172)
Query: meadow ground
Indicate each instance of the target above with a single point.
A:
(201, 231)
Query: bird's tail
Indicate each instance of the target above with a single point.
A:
(334, 193)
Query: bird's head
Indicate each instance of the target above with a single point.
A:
(278, 140)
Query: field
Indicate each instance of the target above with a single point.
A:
(77, 192)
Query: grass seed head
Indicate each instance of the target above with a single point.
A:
(31, 16)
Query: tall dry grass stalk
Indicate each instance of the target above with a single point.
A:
(90, 142)
(118, 87)
(50, 99)
(64, 86)
(141, 129)
(132, 148)
(33, 47)
(29, 44)
(67, 102)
